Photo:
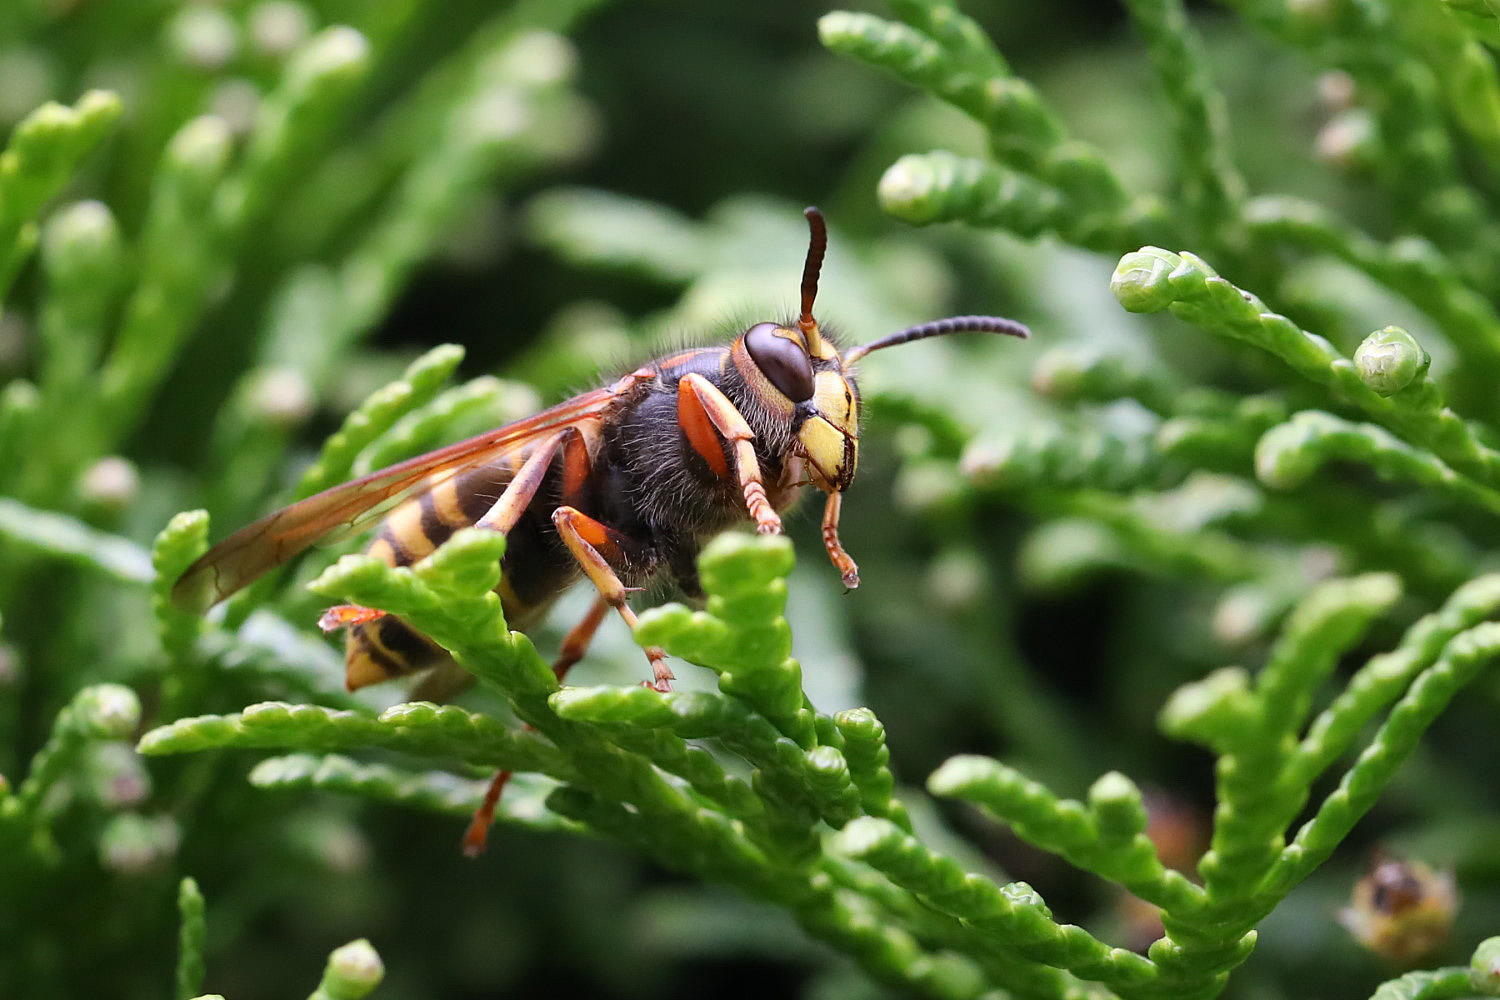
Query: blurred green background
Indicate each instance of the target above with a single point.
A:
(655, 196)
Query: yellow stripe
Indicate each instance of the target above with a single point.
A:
(405, 526)
(445, 504)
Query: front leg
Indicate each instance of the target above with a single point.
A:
(599, 551)
(707, 417)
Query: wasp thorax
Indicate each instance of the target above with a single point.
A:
(778, 352)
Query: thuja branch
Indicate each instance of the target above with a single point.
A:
(1152, 280)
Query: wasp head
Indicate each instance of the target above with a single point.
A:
(795, 366)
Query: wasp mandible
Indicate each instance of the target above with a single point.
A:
(621, 485)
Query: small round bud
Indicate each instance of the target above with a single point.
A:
(908, 190)
(1389, 360)
(1117, 806)
(1059, 374)
(1208, 710)
(1282, 460)
(1243, 614)
(82, 239)
(204, 37)
(536, 59)
(237, 102)
(1484, 967)
(132, 844)
(201, 148)
(277, 27)
(1402, 910)
(107, 711)
(331, 842)
(1313, 13)
(281, 397)
(984, 462)
(117, 778)
(929, 487)
(498, 115)
(1336, 90)
(339, 51)
(353, 971)
(829, 765)
(1141, 282)
(1348, 141)
(956, 580)
(112, 483)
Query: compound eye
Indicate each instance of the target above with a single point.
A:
(782, 360)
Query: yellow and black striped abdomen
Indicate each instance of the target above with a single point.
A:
(387, 647)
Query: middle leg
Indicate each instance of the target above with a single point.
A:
(574, 646)
(600, 551)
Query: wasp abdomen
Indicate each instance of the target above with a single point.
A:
(535, 569)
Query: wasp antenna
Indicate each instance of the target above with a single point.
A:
(817, 245)
(941, 328)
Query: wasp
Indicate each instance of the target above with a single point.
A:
(621, 485)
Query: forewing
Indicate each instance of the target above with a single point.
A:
(280, 536)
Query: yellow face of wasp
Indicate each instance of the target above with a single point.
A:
(830, 433)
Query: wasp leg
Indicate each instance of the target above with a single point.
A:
(598, 549)
(478, 831)
(706, 415)
(344, 615)
(836, 554)
(521, 490)
(574, 645)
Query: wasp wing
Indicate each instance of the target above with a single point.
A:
(278, 537)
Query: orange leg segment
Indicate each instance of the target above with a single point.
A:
(574, 645)
(598, 548)
(521, 490)
(699, 401)
(344, 615)
(836, 554)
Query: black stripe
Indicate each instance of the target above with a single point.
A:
(401, 555)
(388, 664)
(434, 528)
(406, 643)
(477, 492)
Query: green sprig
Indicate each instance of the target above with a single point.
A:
(1384, 677)
(414, 727)
(1411, 267)
(61, 537)
(1290, 453)
(1153, 279)
(1257, 796)
(43, 152)
(741, 633)
(182, 541)
(1212, 188)
(1013, 917)
(292, 122)
(353, 972)
(433, 791)
(191, 939)
(179, 257)
(377, 415)
(1106, 836)
(101, 712)
(1462, 658)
